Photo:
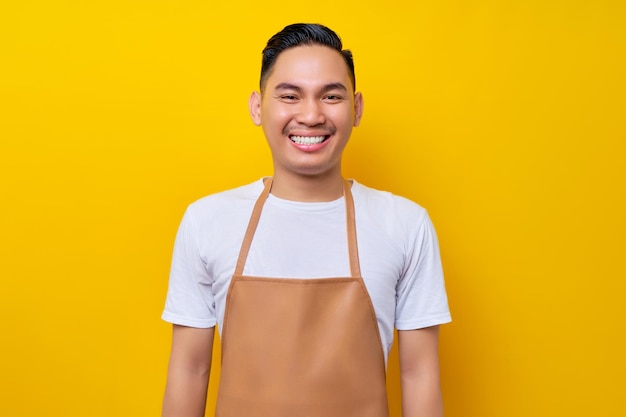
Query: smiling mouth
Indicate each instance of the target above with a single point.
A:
(308, 140)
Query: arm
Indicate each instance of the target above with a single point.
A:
(188, 372)
(419, 372)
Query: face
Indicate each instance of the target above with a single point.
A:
(307, 111)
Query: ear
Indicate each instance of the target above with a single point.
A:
(254, 105)
(358, 108)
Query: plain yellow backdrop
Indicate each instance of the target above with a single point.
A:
(505, 119)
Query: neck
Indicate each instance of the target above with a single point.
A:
(308, 188)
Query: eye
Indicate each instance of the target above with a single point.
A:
(288, 98)
(333, 98)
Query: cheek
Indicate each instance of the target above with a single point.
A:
(343, 119)
(275, 118)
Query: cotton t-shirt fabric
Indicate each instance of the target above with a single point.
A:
(397, 244)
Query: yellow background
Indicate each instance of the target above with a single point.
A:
(506, 119)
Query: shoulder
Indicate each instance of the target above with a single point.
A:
(226, 204)
(387, 206)
(228, 199)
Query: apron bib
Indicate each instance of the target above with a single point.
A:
(301, 347)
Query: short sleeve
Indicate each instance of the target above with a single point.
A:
(190, 299)
(421, 294)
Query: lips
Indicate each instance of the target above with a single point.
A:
(308, 140)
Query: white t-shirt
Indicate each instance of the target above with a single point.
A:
(398, 254)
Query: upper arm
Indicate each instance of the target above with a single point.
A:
(419, 371)
(190, 300)
(192, 348)
(418, 351)
(188, 371)
(421, 294)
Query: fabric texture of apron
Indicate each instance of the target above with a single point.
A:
(301, 347)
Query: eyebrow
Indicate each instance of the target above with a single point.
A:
(325, 88)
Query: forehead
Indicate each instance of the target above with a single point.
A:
(309, 65)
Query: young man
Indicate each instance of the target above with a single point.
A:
(304, 273)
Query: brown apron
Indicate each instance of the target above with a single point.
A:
(301, 347)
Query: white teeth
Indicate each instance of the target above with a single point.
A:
(307, 140)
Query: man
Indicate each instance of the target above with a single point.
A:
(304, 273)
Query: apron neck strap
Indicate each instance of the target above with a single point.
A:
(353, 253)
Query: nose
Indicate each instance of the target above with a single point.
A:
(311, 113)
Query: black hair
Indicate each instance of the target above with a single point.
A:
(303, 34)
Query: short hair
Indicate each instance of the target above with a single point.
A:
(299, 34)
